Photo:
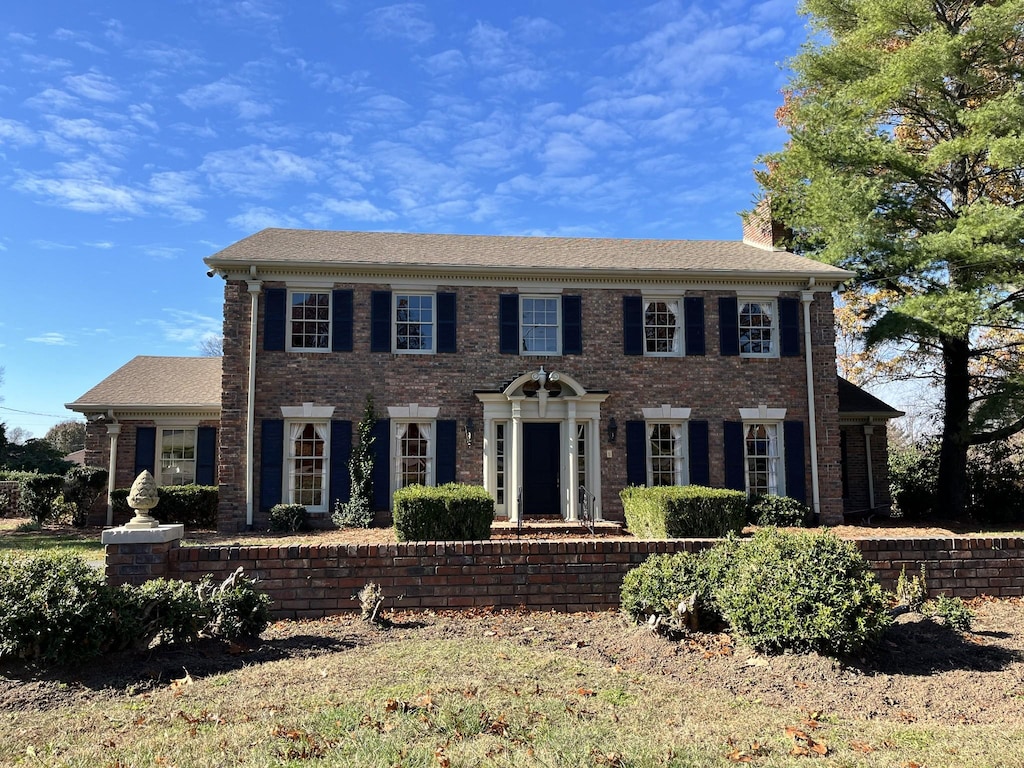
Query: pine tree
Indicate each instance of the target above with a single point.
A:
(905, 164)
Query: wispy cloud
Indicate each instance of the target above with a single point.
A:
(255, 219)
(358, 210)
(226, 93)
(403, 21)
(52, 339)
(188, 327)
(256, 170)
(51, 245)
(15, 134)
(94, 86)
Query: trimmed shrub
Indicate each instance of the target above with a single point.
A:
(687, 511)
(658, 585)
(802, 592)
(234, 609)
(166, 611)
(82, 485)
(288, 518)
(38, 496)
(449, 512)
(193, 505)
(781, 511)
(56, 608)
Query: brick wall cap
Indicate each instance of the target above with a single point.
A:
(159, 535)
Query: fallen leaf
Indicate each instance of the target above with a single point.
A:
(860, 746)
(585, 692)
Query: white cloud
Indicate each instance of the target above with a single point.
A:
(446, 63)
(259, 218)
(50, 245)
(52, 339)
(403, 21)
(15, 134)
(143, 114)
(104, 245)
(94, 86)
(163, 252)
(52, 100)
(188, 327)
(257, 169)
(225, 93)
(358, 210)
(86, 195)
(20, 38)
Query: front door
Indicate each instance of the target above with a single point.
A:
(541, 454)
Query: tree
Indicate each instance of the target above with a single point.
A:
(905, 164)
(67, 436)
(211, 346)
(357, 512)
(18, 436)
(36, 455)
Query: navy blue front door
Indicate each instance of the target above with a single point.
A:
(541, 453)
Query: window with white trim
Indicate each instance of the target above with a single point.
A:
(309, 316)
(758, 327)
(666, 454)
(414, 453)
(177, 458)
(762, 457)
(581, 455)
(414, 323)
(306, 464)
(662, 327)
(499, 462)
(540, 325)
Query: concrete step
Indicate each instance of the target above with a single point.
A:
(550, 526)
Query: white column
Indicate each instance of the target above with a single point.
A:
(868, 432)
(573, 463)
(513, 457)
(250, 419)
(490, 462)
(113, 430)
(595, 458)
(812, 419)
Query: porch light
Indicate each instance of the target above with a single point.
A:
(613, 429)
(469, 431)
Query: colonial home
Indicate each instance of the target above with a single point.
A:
(553, 371)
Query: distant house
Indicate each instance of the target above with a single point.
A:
(552, 371)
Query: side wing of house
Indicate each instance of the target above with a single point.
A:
(864, 450)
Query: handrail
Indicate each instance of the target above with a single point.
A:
(587, 503)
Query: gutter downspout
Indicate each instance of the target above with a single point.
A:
(113, 430)
(806, 297)
(250, 415)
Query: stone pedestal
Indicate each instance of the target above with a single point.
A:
(134, 556)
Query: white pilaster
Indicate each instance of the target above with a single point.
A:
(113, 430)
(573, 464)
(515, 458)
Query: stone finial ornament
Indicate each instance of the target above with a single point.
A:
(142, 498)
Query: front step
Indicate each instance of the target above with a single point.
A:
(555, 526)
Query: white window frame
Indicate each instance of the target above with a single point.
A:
(677, 419)
(523, 298)
(677, 341)
(289, 320)
(395, 296)
(290, 458)
(399, 431)
(773, 329)
(773, 418)
(160, 452)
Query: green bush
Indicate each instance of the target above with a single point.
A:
(781, 511)
(801, 592)
(288, 517)
(683, 511)
(449, 512)
(234, 609)
(195, 506)
(54, 607)
(953, 610)
(357, 512)
(912, 473)
(661, 582)
(996, 476)
(82, 485)
(38, 496)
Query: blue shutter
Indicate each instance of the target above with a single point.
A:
(632, 325)
(382, 464)
(145, 450)
(271, 462)
(341, 449)
(380, 321)
(341, 320)
(693, 325)
(274, 319)
(728, 326)
(735, 472)
(793, 436)
(789, 327)
(446, 339)
(444, 469)
(206, 456)
(700, 469)
(572, 325)
(636, 453)
(508, 324)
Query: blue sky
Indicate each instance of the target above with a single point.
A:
(136, 138)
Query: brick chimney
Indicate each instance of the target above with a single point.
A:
(761, 230)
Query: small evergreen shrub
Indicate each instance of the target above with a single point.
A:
(38, 496)
(911, 591)
(657, 586)
(451, 512)
(780, 511)
(689, 511)
(82, 486)
(953, 610)
(235, 610)
(802, 592)
(288, 518)
(167, 611)
(912, 473)
(357, 512)
(195, 506)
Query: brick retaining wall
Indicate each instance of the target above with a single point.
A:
(565, 575)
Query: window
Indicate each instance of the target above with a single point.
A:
(761, 456)
(499, 462)
(414, 454)
(662, 327)
(310, 316)
(757, 327)
(306, 465)
(581, 455)
(177, 456)
(666, 462)
(414, 322)
(539, 326)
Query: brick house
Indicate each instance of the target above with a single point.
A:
(553, 371)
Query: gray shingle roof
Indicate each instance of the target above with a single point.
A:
(296, 247)
(853, 399)
(157, 381)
